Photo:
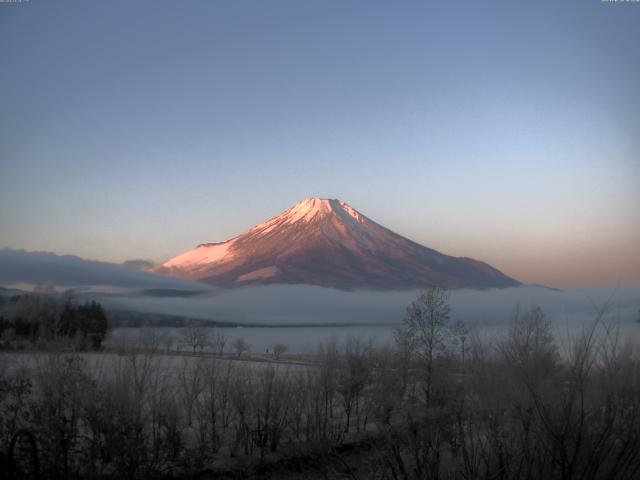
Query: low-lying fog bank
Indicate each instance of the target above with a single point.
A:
(374, 315)
(315, 305)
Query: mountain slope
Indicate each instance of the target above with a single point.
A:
(328, 243)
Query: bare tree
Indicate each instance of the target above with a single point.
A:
(325, 388)
(167, 340)
(213, 407)
(149, 339)
(531, 346)
(271, 401)
(461, 333)
(353, 377)
(191, 380)
(279, 349)
(240, 346)
(241, 393)
(195, 337)
(388, 384)
(218, 341)
(424, 332)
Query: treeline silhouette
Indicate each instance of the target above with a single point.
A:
(45, 319)
(440, 403)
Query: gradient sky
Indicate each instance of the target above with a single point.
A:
(500, 130)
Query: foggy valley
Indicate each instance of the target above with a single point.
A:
(319, 240)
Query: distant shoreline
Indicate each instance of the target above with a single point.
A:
(209, 324)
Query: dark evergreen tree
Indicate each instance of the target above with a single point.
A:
(38, 320)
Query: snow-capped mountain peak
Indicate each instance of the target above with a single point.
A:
(310, 209)
(327, 242)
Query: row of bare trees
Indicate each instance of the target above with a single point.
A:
(142, 415)
(196, 338)
(440, 403)
(523, 406)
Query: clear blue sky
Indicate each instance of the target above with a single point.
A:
(506, 131)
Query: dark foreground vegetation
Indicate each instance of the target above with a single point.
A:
(50, 320)
(439, 404)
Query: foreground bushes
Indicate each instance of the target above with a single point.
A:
(519, 407)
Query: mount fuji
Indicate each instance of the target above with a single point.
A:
(328, 243)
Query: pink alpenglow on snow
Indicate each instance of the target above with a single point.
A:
(327, 242)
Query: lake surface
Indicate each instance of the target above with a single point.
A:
(305, 340)
(299, 340)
